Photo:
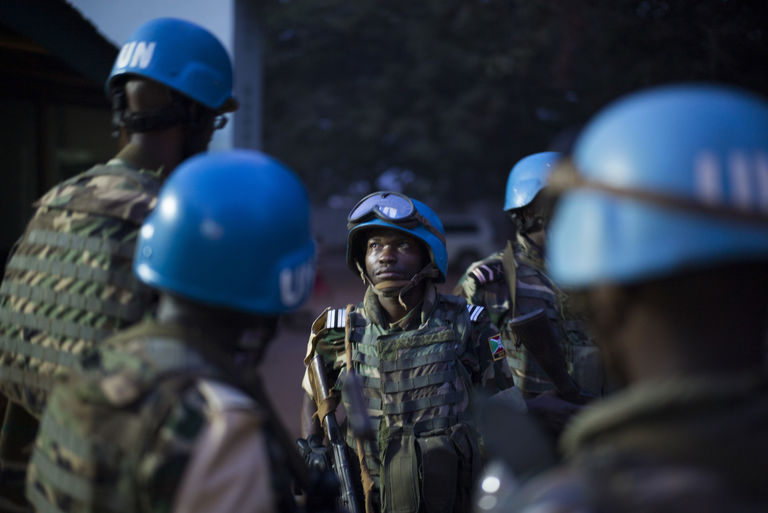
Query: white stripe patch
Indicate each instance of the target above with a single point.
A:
(336, 318)
(474, 312)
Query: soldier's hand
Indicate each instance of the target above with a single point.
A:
(315, 454)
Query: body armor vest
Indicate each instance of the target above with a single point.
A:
(529, 377)
(510, 284)
(68, 283)
(96, 430)
(92, 452)
(417, 393)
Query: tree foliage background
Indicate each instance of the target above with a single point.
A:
(451, 93)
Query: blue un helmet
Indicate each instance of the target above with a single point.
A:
(181, 55)
(230, 229)
(661, 181)
(528, 177)
(388, 209)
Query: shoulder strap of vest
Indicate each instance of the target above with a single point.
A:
(510, 269)
(131, 205)
(145, 181)
(365, 472)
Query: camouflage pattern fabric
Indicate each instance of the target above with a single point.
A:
(68, 282)
(118, 434)
(417, 377)
(484, 283)
(694, 444)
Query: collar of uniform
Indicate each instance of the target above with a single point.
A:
(529, 252)
(647, 414)
(416, 316)
(155, 173)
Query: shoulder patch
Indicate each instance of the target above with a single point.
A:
(335, 318)
(497, 347)
(487, 273)
(474, 312)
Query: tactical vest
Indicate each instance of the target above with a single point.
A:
(96, 430)
(68, 283)
(581, 354)
(502, 283)
(529, 377)
(92, 449)
(417, 392)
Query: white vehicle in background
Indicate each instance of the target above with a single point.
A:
(468, 238)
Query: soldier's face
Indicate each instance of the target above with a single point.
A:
(391, 255)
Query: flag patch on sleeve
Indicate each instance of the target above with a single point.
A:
(497, 347)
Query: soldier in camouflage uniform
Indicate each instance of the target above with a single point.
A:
(168, 415)
(419, 354)
(546, 343)
(68, 283)
(663, 223)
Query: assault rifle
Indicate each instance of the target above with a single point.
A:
(332, 433)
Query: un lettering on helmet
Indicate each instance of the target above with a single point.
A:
(136, 54)
(296, 283)
(746, 173)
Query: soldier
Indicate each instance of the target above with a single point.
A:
(663, 223)
(419, 355)
(166, 416)
(544, 340)
(68, 281)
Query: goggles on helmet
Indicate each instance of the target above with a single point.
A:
(567, 176)
(392, 207)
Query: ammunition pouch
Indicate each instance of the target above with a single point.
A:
(431, 472)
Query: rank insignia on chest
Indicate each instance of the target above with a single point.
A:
(497, 347)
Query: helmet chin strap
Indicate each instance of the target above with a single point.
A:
(400, 288)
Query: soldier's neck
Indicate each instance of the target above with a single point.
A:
(223, 326)
(534, 240)
(154, 150)
(394, 310)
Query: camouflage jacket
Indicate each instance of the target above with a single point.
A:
(485, 283)
(418, 375)
(149, 424)
(68, 282)
(695, 444)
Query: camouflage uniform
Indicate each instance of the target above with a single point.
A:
(485, 283)
(682, 444)
(417, 377)
(151, 424)
(68, 284)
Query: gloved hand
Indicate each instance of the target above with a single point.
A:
(315, 454)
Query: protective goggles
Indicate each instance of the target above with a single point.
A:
(392, 207)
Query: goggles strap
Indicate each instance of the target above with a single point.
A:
(566, 177)
(426, 224)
